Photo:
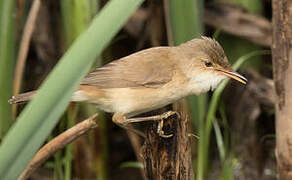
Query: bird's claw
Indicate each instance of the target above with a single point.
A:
(161, 123)
(168, 114)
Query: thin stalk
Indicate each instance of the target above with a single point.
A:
(228, 168)
(227, 165)
(58, 172)
(219, 140)
(225, 127)
(101, 160)
(23, 50)
(68, 158)
(7, 51)
(76, 16)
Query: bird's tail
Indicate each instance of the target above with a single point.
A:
(21, 98)
(83, 93)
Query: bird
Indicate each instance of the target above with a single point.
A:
(151, 79)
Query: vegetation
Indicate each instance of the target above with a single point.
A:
(234, 124)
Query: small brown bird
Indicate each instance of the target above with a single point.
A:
(151, 79)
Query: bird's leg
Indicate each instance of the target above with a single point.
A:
(122, 121)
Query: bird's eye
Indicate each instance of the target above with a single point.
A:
(208, 64)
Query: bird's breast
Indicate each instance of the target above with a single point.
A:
(133, 101)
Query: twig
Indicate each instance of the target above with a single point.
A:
(23, 50)
(58, 143)
(234, 20)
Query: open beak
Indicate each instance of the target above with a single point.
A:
(234, 75)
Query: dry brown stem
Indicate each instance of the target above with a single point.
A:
(282, 67)
(235, 20)
(169, 158)
(58, 143)
(23, 50)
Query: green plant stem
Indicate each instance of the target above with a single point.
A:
(58, 173)
(68, 158)
(7, 50)
(219, 140)
(76, 16)
(186, 20)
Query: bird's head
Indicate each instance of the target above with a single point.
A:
(207, 64)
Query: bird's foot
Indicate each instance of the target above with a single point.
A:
(165, 116)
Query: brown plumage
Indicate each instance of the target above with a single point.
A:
(153, 78)
(134, 71)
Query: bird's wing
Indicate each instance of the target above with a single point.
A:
(149, 68)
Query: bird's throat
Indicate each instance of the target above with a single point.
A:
(205, 82)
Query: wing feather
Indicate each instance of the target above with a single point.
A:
(149, 68)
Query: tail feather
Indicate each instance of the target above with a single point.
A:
(83, 93)
(21, 98)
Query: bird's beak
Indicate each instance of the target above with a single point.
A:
(234, 75)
